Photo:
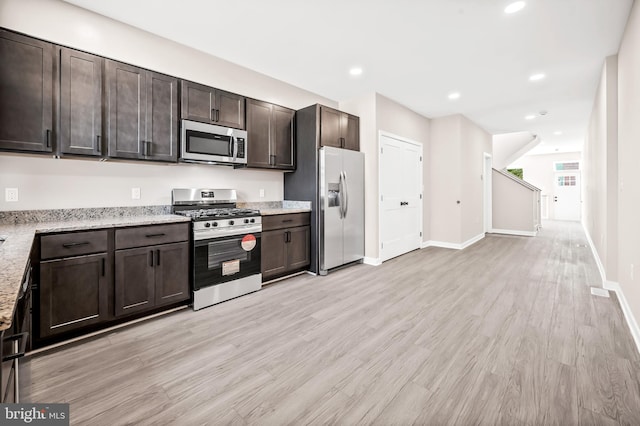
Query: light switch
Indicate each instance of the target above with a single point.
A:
(135, 193)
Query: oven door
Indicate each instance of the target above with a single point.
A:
(223, 259)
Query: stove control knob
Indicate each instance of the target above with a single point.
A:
(253, 221)
(215, 224)
(246, 221)
(206, 225)
(230, 222)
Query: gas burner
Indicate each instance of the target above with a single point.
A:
(206, 214)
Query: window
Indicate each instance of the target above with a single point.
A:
(569, 165)
(566, 181)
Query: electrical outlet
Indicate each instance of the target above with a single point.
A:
(11, 194)
(262, 193)
(135, 193)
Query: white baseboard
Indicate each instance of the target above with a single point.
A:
(626, 310)
(615, 286)
(603, 274)
(454, 246)
(373, 261)
(473, 240)
(514, 232)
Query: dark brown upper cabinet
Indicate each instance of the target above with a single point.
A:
(26, 93)
(208, 105)
(80, 103)
(270, 136)
(339, 129)
(141, 112)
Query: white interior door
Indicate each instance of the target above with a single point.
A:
(566, 198)
(400, 196)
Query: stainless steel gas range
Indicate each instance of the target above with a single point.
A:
(226, 239)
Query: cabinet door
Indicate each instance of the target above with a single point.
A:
(134, 281)
(274, 253)
(283, 137)
(350, 126)
(298, 247)
(161, 142)
(126, 102)
(230, 109)
(26, 100)
(197, 102)
(172, 273)
(259, 134)
(330, 127)
(73, 293)
(80, 103)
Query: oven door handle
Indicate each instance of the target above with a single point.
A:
(239, 231)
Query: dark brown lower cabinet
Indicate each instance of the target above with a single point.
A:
(147, 277)
(73, 293)
(286, 243)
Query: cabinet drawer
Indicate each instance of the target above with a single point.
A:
(72, 244)
(151, 235)
(290, 220)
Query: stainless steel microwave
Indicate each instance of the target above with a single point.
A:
(208, 143)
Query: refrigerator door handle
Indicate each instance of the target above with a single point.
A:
(341, 189)
(346, 194)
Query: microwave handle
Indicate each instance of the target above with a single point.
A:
(232, 146)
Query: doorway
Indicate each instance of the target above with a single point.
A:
(566, 197)
(400, 183)
(487, 200)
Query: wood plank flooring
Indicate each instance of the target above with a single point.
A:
(503, 332)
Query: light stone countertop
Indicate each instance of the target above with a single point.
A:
(15, 250)
(269, 212)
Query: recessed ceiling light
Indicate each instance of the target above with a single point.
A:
(529, 117)
(514, 7)
(557, 133)
(355, 71)
(536, 77)
(454, 95)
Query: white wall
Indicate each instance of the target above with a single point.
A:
(539, 171)
(508, 147)
(513, 205)
(457, 147)
(600, 170)
(444, 179)
(475, 141)
(61, 183)
(628, 161)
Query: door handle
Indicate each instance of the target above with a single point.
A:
(217, 115)
(103, 267)
(212, 115)
(98, 144)
(555, 199)
(346, 193)
(48, 137)
(341, 192)
(157, 257)
(151, 258)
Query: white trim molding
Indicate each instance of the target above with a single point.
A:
(454, 246)
(626, 310)
(514, 232)
(373, 261)
(614, 286)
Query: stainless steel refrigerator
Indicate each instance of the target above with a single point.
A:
(341, 207)
(332, 179)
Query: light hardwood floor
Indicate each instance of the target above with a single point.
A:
(503, 332)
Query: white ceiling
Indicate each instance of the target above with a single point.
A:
(415, 52)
